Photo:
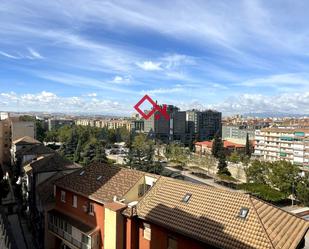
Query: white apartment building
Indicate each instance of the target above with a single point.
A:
(273, 144)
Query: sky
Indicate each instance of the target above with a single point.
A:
(96, 56)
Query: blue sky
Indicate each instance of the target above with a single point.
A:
(103, 56)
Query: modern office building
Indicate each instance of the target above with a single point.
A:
(274, 144)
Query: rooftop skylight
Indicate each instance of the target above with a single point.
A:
(186, 198)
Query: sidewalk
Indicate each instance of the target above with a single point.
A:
(195, 179)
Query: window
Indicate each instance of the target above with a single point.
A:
(85, 239)
(186, 198)
(147, 231)
(91, 209)
(54, 190)
(74, 201)
(62, 196)
(243, 213)
(171, 242)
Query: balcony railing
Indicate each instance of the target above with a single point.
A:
(67, 237)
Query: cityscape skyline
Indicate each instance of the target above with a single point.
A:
(102, 57)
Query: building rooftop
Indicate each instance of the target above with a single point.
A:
(53, 162)
(220, 218)
(26, 140)
(45, 189)
(36, 149)
(226, 144)
(101, 182)
(288, 130)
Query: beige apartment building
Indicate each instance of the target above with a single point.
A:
(272, 144)
(105, 123)
(12, 129)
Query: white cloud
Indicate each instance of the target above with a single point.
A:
(279, 80)
(149, 66)
(91, 94)
(122, 79)
(10, 56)
(34, 54)
(46, 101)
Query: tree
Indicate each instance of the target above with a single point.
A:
(89, 151)
(141, 155)
(78, 151)
(68, 148)
(248, 147)
(217, 146)
(222, 165)
(234, 157)
(100, 156)
(283, 175)
(257, 172)
(302, 189)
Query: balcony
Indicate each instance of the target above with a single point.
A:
(72, 232)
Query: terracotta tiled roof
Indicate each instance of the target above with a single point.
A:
(226, 144)
(212, 216)
(114, 181)
(36, 149)
(45, 189)
(53, 162)
(26, 140)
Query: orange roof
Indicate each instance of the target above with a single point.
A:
(226, 144)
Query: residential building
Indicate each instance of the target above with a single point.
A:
(12, 129)
(272, 144)
(88, 206)
(107, 207)
(205, 147)
(54, 124)
(22, 144)
(37, 173)
(178, 214)
(137, 125)
(238, 132)
(105, 123)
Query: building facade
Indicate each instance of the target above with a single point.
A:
(237, 132)
(272, 144)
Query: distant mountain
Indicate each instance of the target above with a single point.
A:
(274, 114)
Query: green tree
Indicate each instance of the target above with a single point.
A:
(217, 146)
(78, 151)
(141, 155)
(89, 151)
(68, 148)
(234, 157)
(283, 175)
(248, 147)
(257, 172)
(302, 189)
(100, 156)
(222, 165)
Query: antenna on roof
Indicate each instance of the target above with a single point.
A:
(81, 173)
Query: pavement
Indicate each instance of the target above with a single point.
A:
(17, 231)
(195, 179)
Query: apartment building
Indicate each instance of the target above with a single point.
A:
(102, 206)
(292, 145)
(88, 206)
(238, 132)
(12, 129)
(105, 123)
